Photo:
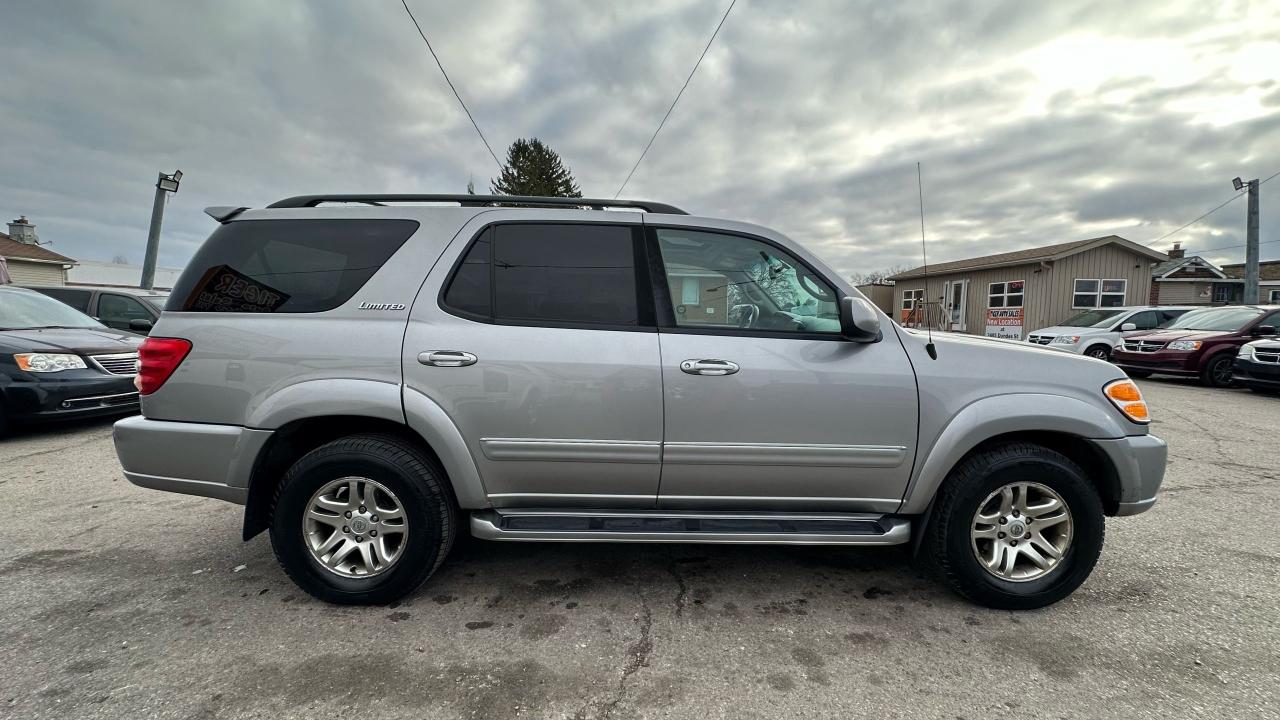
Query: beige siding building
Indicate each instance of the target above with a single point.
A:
(29, 263)
(880, 294)
(1010, 294)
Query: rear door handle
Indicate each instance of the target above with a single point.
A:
(709, 367)
(446, 358)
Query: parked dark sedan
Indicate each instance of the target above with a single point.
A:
(1200, 344)
(56, 362)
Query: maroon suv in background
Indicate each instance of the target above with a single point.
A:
(1202, 343)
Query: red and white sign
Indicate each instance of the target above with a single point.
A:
(1004, 323)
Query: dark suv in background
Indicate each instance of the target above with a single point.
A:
(120, 308)
(1200, 344)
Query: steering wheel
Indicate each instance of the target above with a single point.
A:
(747, 315)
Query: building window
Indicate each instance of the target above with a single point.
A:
(690, 292)
(1098, 293)
(1222, 293)
(912, 298)
(1005, 294)
(1275, 297)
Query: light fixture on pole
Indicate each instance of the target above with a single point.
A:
(1251, 294)
(166, 183)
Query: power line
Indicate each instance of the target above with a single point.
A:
(451, 87)
(1227, 247)
(1227, 202)
(673, 102)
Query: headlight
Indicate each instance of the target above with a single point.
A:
(1246, 352)
(1066, 340)
(1184, 345)
(49, 362)
(1127, 398)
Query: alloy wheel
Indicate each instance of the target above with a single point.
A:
(1222, 372)
(1101, 353)
(1021, 531)
(355, 527)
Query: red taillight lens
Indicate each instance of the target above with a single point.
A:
(158, 357)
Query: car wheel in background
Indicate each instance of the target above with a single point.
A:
(363, 520)
(4, 422)
(1217, 371)
(1015, 527)
(1102, 352)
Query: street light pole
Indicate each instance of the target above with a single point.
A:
(164, 184)
(1251, 294)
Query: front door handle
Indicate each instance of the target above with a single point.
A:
(446, 358)
(709, 367)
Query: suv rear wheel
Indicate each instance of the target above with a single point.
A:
(1017, 526)
(363, 520)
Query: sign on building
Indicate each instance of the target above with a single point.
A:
(1004, 323)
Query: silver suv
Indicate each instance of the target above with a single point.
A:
(366, 373)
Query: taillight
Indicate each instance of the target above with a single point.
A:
(158, 357)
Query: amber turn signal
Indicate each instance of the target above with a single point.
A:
(1127, 398)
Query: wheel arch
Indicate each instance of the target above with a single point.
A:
(300, 436)
(1059, 423)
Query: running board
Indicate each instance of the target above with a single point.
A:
(692, 526)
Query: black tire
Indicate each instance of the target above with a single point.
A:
(1101, 352)
(4, 422)
(948, 545)
(1139, 374)
(1217, 371)
(417, 481)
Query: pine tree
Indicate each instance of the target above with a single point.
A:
(534, 169)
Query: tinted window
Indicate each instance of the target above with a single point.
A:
(1145, 320)
(78, 299)
(289, 266)
(728, 281)
(117, 310)
(470, 290)
(1168, 316)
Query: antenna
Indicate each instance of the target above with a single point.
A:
(924, 256)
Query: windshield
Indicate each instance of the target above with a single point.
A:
(155, 301)
(1220, 319)
(1093, 318)
(24, 311)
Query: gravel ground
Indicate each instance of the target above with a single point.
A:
(119, 602)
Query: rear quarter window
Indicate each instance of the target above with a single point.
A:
(286, 266)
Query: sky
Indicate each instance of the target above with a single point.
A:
(1034, 122)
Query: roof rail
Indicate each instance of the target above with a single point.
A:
(305, 201)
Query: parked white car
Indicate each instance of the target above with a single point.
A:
(1095, 332)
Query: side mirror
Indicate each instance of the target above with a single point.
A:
(859, 321)
(1264, 331)
(1127, 327)
(140, 325)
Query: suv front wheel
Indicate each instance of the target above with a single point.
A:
(1016, 526)
(363, 520)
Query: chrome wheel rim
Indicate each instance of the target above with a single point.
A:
(355, 527)
(1222, 372)
(1021, 531)
(1100, 353)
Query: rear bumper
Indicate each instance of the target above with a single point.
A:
(190, 458)
(1139, 461)
(1263, 375)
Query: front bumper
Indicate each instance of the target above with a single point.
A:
(1167, 362)
(191, 458)
(1139, 461)
(59, 398)
(1255, 374)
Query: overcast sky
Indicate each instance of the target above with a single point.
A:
(1036, 122)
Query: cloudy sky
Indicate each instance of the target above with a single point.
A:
(1036, 122)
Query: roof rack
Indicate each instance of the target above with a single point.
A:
(305, 201)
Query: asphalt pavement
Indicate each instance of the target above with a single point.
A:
(120, 602)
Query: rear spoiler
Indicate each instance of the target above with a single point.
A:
(223, 213)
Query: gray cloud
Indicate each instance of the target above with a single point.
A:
(1035, 122)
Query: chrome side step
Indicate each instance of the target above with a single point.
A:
(677, 526)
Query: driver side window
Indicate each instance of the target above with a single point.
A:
(734, 282)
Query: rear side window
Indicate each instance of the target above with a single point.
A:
(286, 266)
(78, 299)
(536, 274)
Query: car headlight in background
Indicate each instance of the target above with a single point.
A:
(1184, 345)
(49, 362)
(1066, 340)
(1127, 398)
(1246, 352)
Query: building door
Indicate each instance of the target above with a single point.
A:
(954, 293)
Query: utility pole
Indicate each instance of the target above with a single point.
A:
(1251, 294)
(164, 184)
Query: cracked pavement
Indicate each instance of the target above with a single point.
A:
(123, 602)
